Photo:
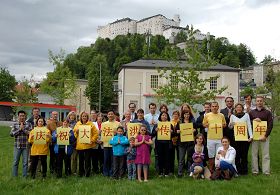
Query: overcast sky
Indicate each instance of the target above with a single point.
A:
(28, 28)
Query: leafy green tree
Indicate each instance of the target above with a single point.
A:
(60, 83)
(245, 55)
(267, 59)
(93, 76)
(25, 92)
(248, 90)
(184, 83)
(7, 85)
(182, 36)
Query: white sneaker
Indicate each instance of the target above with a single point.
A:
(191, 174)
(202, 176)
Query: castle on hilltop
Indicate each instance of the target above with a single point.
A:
(154, 25)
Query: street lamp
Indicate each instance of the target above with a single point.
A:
(99, 87)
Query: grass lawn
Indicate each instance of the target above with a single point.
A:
(98, 184)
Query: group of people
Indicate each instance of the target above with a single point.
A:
(204, 157)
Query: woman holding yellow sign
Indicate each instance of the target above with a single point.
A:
(185, 140)
(86, 135)
(162, 131)
(241, 124)
(40, 138)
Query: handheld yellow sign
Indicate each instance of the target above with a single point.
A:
(259, 129)
(40, 135)
(84, 134)
(215, 130)
(133, 129)
(107, 133)
(63, 136)
(186, 132)
(164, 131)
(240, 131)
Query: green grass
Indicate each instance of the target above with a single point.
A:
(100, 185)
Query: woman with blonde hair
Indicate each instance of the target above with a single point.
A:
(84, 149)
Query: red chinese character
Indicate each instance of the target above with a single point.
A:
(133, 130)
(188, 130)
(164, 130)
(107, 131)
(85, 133)
(260, 129)
(216, 128)
(40, 135)
(63, 135)
(240, 130)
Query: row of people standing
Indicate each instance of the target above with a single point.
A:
(164, 150)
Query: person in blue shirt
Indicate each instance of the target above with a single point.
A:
(152, 117)
(63, 152)
(119, 143)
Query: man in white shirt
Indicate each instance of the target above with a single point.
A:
(248, 106)
(152, 117)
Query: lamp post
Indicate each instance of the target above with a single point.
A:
(140, 91)
(99, 87)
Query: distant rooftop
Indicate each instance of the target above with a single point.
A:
(152, 64)
(152, 17)
(122, 20)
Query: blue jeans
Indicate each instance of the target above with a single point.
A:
(131, 170)
(226, 166)
(17, 153)
(108, 161)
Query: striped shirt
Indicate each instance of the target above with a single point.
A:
(21, 135)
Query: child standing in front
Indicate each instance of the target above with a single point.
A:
(131, 156)
(39, 150)
(119, 143)
(143, 142)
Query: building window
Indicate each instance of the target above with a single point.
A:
(213, 83)
(174, 82)
(154, 81)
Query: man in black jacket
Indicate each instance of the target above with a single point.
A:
(227, 112)
(34, 117)
(203, 130)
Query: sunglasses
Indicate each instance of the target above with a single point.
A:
(142, 130)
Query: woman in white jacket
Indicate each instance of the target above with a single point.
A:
(242, 147)
(225, 161)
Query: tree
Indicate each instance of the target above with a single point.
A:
(93, 76)
(60, 83)
(183, 80)
(272, 85)
(180, 37)
(25, 92)
(7, 85)
(267, 59)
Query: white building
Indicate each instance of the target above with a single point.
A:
(119, 27)
(155, 25)
(138, 79)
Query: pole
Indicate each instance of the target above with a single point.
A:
(208, 43)
(140, 91)
(99, 87)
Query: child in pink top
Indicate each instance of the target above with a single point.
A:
(143, 142)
